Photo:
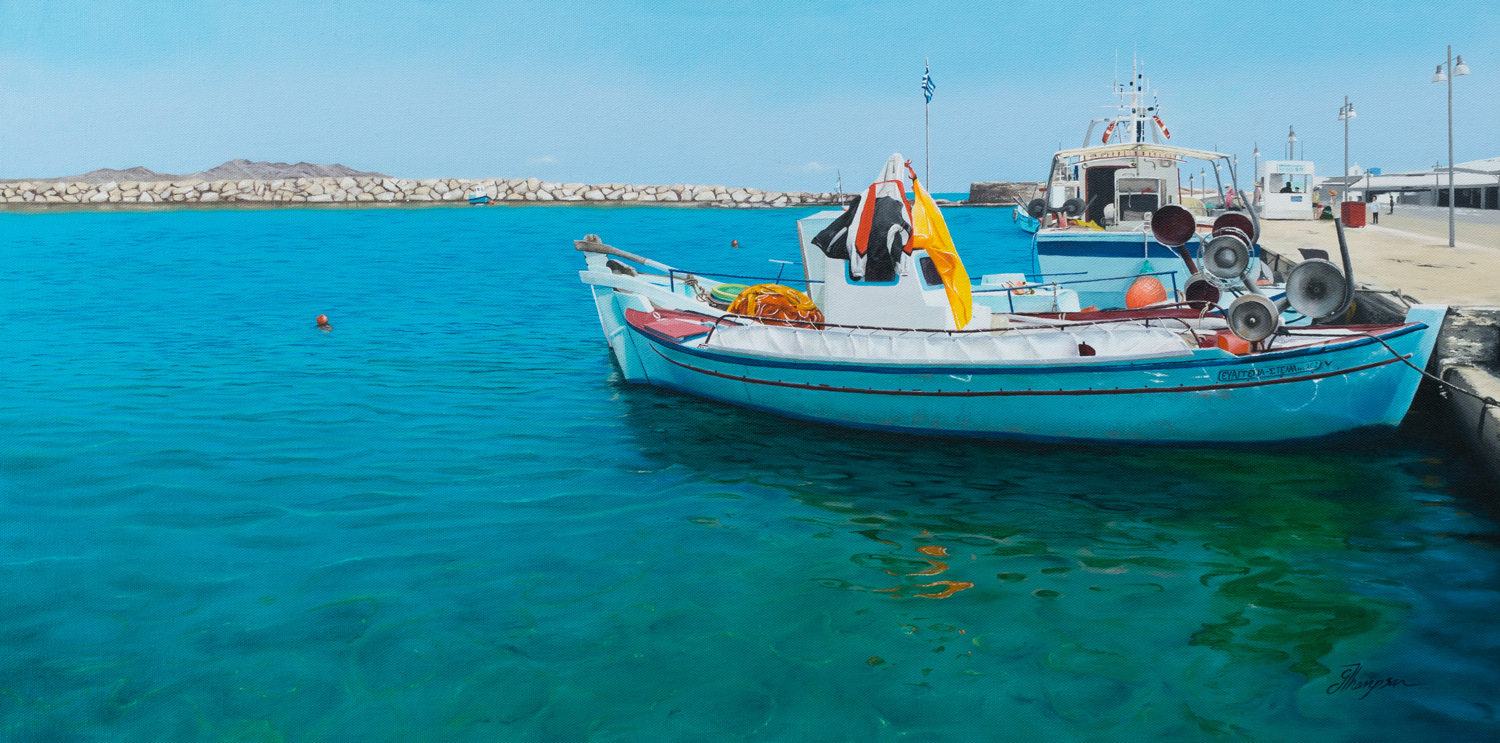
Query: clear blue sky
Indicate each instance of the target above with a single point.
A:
(767, 94)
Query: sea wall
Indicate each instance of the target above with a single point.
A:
(1002, 193)
(389, 191)
(1468, 357)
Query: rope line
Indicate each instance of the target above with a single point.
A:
(1485, 402)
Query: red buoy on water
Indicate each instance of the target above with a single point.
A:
(323, 323)
(1145, 290)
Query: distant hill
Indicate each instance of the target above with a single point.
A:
(235, 170)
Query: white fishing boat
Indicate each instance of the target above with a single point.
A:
(897, 341)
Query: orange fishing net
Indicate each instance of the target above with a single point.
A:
(775, 304)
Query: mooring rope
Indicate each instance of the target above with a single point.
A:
(1486, 402)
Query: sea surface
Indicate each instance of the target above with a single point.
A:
(449, 520)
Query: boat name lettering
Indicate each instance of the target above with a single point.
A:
(1127, 152)
(1271, 372)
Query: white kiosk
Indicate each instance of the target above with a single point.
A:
(1286, 189)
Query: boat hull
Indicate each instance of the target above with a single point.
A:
(1294, 394)
(1026, 222)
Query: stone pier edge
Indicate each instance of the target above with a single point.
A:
(1467, 356)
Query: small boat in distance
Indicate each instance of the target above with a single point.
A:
(898, 340)
(1024, 220)
(478, 197)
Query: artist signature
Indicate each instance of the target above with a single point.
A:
(1350, 680)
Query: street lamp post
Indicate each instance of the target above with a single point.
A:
(1255, 182)
(1346, 112)
(1458, 70)
(1291, 143)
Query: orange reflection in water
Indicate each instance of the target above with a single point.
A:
(953, 586)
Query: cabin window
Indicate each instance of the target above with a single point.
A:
(1138, 197)
(930, 275)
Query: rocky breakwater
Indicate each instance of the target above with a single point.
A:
(382, 190)
(1002, 193)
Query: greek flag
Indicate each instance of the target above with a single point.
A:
(927, 86)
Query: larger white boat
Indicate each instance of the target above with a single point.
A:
(1096, 206)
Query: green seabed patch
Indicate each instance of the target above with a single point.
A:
(1266, 534)
(1279, 592)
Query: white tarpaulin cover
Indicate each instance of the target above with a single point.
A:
(1024, 346)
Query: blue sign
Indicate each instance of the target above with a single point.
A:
(1374, 171)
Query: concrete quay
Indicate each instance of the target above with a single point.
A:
(1406, 259)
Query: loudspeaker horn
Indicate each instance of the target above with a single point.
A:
(1252, 317)
(1235, 220)
(1173, 225)
(1317, 289)
(1200, 291)
(1073, 208)
(1036, 208)
(1226, 256)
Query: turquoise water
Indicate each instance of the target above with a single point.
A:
(448, 520)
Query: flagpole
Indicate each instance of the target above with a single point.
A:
(927, 110)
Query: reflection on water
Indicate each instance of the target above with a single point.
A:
(1215, 576)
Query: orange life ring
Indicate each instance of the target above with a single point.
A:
(1164, 131)
(1107, 131)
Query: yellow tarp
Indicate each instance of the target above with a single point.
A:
(930, 233)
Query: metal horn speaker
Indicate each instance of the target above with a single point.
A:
(1173, 225)
(1317, 289)
(1236, 220)
(1226, 256)
(1252, 317)
(1200, 291)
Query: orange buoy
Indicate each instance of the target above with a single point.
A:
(323, 323)
(1145, 290)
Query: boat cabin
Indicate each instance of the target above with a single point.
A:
(1119, 186)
